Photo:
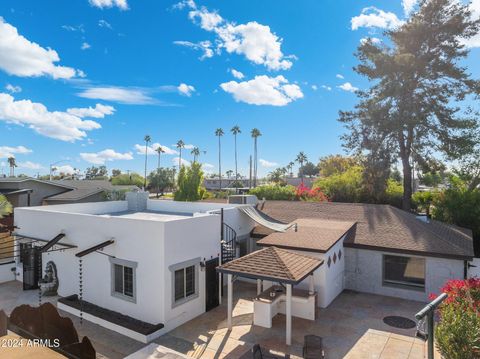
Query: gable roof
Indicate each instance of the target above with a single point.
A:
(380, 227)
(83, 189)
(312, 234)
(26, 179)
(273, 264)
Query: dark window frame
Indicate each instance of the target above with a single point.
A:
(128, 269)
(403, 284)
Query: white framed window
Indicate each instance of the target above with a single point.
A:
(184, 281)
(405, 272)
(124, 279)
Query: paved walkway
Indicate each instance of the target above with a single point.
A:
(351, 327)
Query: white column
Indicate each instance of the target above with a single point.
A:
(259, 286)
(288, 314)
(220, 285)
(230, 301)
(311, 288)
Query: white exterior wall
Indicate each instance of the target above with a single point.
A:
(364, 273)
(6, 274)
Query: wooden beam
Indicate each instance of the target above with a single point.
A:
(94, 248)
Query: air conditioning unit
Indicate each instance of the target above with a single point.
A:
(243, 199)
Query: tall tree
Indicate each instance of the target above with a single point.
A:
(235, 131)
(255, 134)
(196, 153)
(159, 150)
(301, 158)
(290, 168)
(413, 105)
(219, 133)
(229, 173)
(12, 163)
(180, 145)
(5, 206)
(147, 140)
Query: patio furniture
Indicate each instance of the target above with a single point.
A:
(313, 347)
(259, 353)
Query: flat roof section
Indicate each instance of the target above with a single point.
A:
(149, 215)
(311, 234)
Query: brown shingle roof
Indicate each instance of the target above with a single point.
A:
(273, 264)
(380, 227)
(312, 234)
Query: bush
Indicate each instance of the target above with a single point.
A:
(274, 192)
(303, 193)
(343, 187)
(128, 179)
(458, 332)
(189, 183)
(394, 193)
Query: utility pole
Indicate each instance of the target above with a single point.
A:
(250, 180)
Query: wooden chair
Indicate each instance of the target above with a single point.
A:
(313, 347)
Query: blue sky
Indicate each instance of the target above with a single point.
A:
(83, 81)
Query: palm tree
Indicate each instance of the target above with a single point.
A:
(12, 163)
(159, 150)
(147, 140)
(301, 158)
(219, 133)
(255, 134)
(196, 153)
(180, 145)
(229, 173)
(290, 167)
(235, 131)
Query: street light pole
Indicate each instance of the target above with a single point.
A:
(53, 164)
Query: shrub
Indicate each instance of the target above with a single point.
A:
(394, 193)
(303, 193)
(189, 183)
(274, 192)
(343, 187)
(458, 331)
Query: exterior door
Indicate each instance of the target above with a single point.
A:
(32, 267)
(211, 284)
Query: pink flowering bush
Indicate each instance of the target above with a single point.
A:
(458, 331)
(303, 193)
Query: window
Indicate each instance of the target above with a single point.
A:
(404, 271)
(184, 281)
(123, 279)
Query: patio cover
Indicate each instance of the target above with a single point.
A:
(273, 264)
(264, 220)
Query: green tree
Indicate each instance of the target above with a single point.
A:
(116, 172)
(189, 183)
(159, 150)
(12, 164)
(301, 159)
(309, 170)
(161, 179)
(412, 106)
(196, 153)
(5, 206)
(93, 172)
(235, 130)
(219, 133)
(334, 164)
(125, 179)
(276, 176)
(147, 140)
(343, 186)
(255, 133)
(180, 145)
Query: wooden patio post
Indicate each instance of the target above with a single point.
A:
(229, 301)
(288, 314)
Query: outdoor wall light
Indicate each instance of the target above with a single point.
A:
(202, 264)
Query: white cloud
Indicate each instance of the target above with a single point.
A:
(13, 89)
(204, 46)
(99, 111)
(475, 10)
(264, 90)
(325, 87)
(21, 57)
(184, 161)
(85, 46)
(121, 4)
(99, 158)
(74, 28)
(185, 89)
(67, 169)
(253, 40)
(7, 151)
(314, 87)
(105, 23)
(374, 40)
(267, 164)
(409, 6)
(237, 74)
(373, 17)
(347, 86)
(57, 124)
(189, 147)
(30, 165)
(339, 76)
(208, 166)
(151, 150)
(126, 95)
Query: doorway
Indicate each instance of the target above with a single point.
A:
(211, 284)
(32, 266)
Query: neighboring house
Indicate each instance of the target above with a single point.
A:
(214, 183)
(385, 251)
(155, 261)
(26, 191)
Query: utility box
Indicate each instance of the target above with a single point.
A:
(243, 199)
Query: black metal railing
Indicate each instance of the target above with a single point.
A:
(228, 243)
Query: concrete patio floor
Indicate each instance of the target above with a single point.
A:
(351, 327)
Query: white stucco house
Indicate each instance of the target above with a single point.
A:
(143, 267)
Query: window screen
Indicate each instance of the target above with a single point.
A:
(184, 283)
(404, 271)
